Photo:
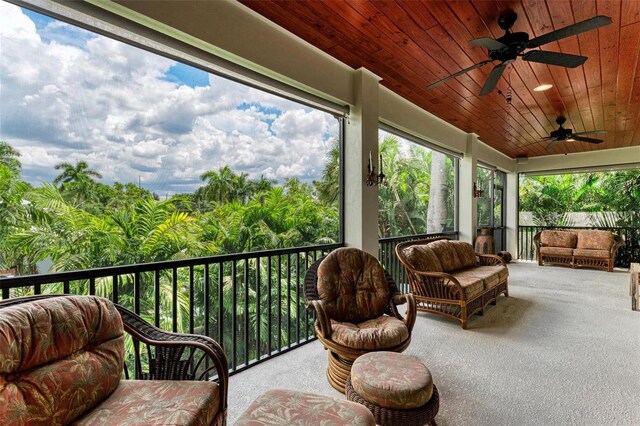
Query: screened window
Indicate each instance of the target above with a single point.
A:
(419, 195)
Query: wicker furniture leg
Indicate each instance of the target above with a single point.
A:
(634, 287)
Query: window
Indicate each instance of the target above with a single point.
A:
(490, 204)
(111, 155)
(419, 195)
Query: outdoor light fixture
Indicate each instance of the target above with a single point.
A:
(373, 178)
(543, 87)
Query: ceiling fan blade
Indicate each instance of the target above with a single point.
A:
(583, 139)
(488, 43)
(547, 138)
(493, 78)
(459, 73)
(554, 58)
(577, 28)
(552, 144)
(592, 132)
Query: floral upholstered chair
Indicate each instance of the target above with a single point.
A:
(355, 301)
(62, 362)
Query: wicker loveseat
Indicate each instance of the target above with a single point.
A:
(448, 278)
(589, 248)
(62, 361)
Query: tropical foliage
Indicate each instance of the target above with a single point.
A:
(613, 198)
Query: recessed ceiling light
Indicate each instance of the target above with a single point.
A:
(543, 87)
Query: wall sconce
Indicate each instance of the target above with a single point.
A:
(477, 193)
(373, 178)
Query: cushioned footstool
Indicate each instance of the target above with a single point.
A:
(396, 388)
(286, 407)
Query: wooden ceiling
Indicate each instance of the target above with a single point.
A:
(411, 44)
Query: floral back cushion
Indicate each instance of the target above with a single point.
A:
(447, 255)
(421, 258)
(59, 357)
(552, 238)
(595, 239)
(466, 253)
(352, 286)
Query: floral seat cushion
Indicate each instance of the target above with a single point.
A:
(286, 407)
(392, 380)
(155, 402)
(598, 254)
(379, 333)
(556, 251)
(59, 358)
(490, 276)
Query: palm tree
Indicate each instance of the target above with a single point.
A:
(80, 173)
(9, 158)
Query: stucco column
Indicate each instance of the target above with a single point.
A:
(361, 138)
(512, 219)
(468, 205)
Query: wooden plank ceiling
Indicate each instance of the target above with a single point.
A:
(412, 44)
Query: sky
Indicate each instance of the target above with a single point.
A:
(68, 95)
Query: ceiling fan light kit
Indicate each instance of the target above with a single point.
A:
(510, 46)
(567, 135)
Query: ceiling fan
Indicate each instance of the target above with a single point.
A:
(511, 45)
(563, 134)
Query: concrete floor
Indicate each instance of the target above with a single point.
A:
(563, 349)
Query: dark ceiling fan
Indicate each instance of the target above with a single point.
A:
(511, 45)
(562, 134)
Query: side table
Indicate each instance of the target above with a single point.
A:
(634, 286)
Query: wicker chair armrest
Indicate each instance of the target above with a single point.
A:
(618, 242)
(490, 260)
(410, 315)
(150, 335)
(536, 239)
(322, 319)
(439, 279)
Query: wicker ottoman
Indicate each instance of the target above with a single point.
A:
(396, 388)
(287, 407)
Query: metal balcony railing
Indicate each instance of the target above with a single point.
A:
(251, 303)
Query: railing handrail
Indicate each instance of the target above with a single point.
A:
(417, 236)
(578, 227)
(56, 277)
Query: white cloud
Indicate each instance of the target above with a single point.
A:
(68, 95)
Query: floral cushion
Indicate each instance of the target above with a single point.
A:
(352, 285)
(447, 255)
(421, 258)
(556, 251)
(490, 275)
(157, 402)
(59, 357)
(471, 285)
(286, 407)
(379, 333)
(466, 253)
(597, 254)
(595, 239)
(551, 238)
(392, 380)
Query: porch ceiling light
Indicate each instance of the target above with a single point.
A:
(543, 87)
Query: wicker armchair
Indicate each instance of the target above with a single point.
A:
(89, 336)
(355, 301)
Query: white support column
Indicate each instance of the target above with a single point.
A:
(512, 218)
(468, 205)
(361, 138)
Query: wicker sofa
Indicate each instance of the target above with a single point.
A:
(62, 362)
(448, 278)
(579, 248)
